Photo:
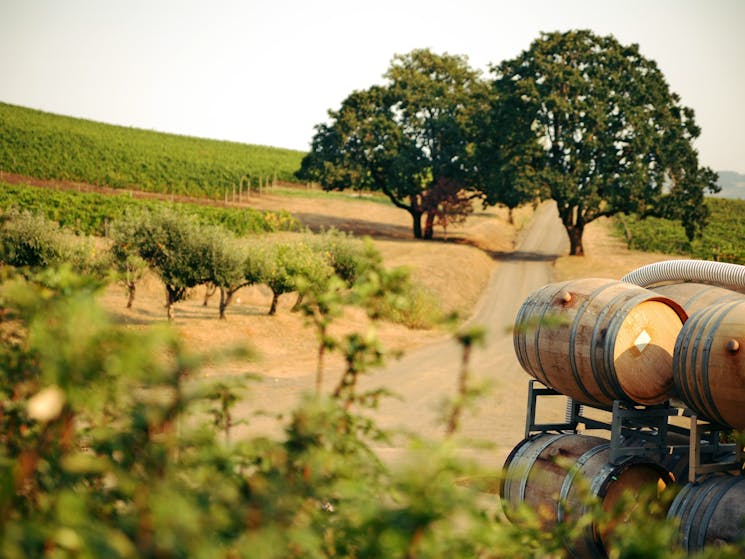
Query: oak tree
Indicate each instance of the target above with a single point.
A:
(405, 137)
(596, 128)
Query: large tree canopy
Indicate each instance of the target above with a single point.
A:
(411, 138)
(596, 128)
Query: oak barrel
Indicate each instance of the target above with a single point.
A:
(709, 363)
(599, 340)
(554, 474)
(710, 512)
(695, 296)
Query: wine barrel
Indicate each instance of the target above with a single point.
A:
(710, 512)
(695, 296)
(599, 340)
(534, 476)
(709, 364)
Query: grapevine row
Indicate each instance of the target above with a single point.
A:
(49, 146)
(89, 213)
(723, 239)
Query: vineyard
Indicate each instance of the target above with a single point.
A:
(118, 441)
(49, 146)
(90, 213)
(722, 240)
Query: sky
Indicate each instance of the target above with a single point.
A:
(267, 71)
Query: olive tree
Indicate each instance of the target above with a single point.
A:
(173, 246)
(349, 257)
(281, 265)
(30, 240)
(225, 264)
(125, 258)
(594, 126)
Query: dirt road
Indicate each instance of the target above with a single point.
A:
(425, 377)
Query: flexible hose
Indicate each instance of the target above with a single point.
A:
(722, 274)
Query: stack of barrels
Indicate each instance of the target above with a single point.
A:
(598, 341)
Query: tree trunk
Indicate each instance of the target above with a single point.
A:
(573, 218)
(298, 303)
(226, 296)
(131, 287)
(173, 295)
(209, 291)
(575, 240)
(626, 230)
(275, 300)
(429, 226)
(416, 217)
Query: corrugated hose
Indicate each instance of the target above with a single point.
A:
(722, 274)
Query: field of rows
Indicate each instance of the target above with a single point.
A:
(49, 146)
(90, 213)
(723, 239)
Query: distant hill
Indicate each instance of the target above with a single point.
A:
(732, 183)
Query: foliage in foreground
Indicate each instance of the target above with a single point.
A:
(109, 447)
(102, 455)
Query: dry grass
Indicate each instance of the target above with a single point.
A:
(606, 256)
(454, 270)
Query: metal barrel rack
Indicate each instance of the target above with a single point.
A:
(656, 374)
(636, 430)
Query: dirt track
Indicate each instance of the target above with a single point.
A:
(425, 377)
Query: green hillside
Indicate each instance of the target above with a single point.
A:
(49, 146)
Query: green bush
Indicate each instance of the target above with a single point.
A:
(349, 257)
(34, 242)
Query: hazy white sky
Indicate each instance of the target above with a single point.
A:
(267, 71)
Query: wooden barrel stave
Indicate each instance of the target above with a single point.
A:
(581, 338)
(536, 478)
(531, 314)
(709, 363)
(710, 512)
(694, 296)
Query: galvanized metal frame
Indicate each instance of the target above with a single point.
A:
(637, 430)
